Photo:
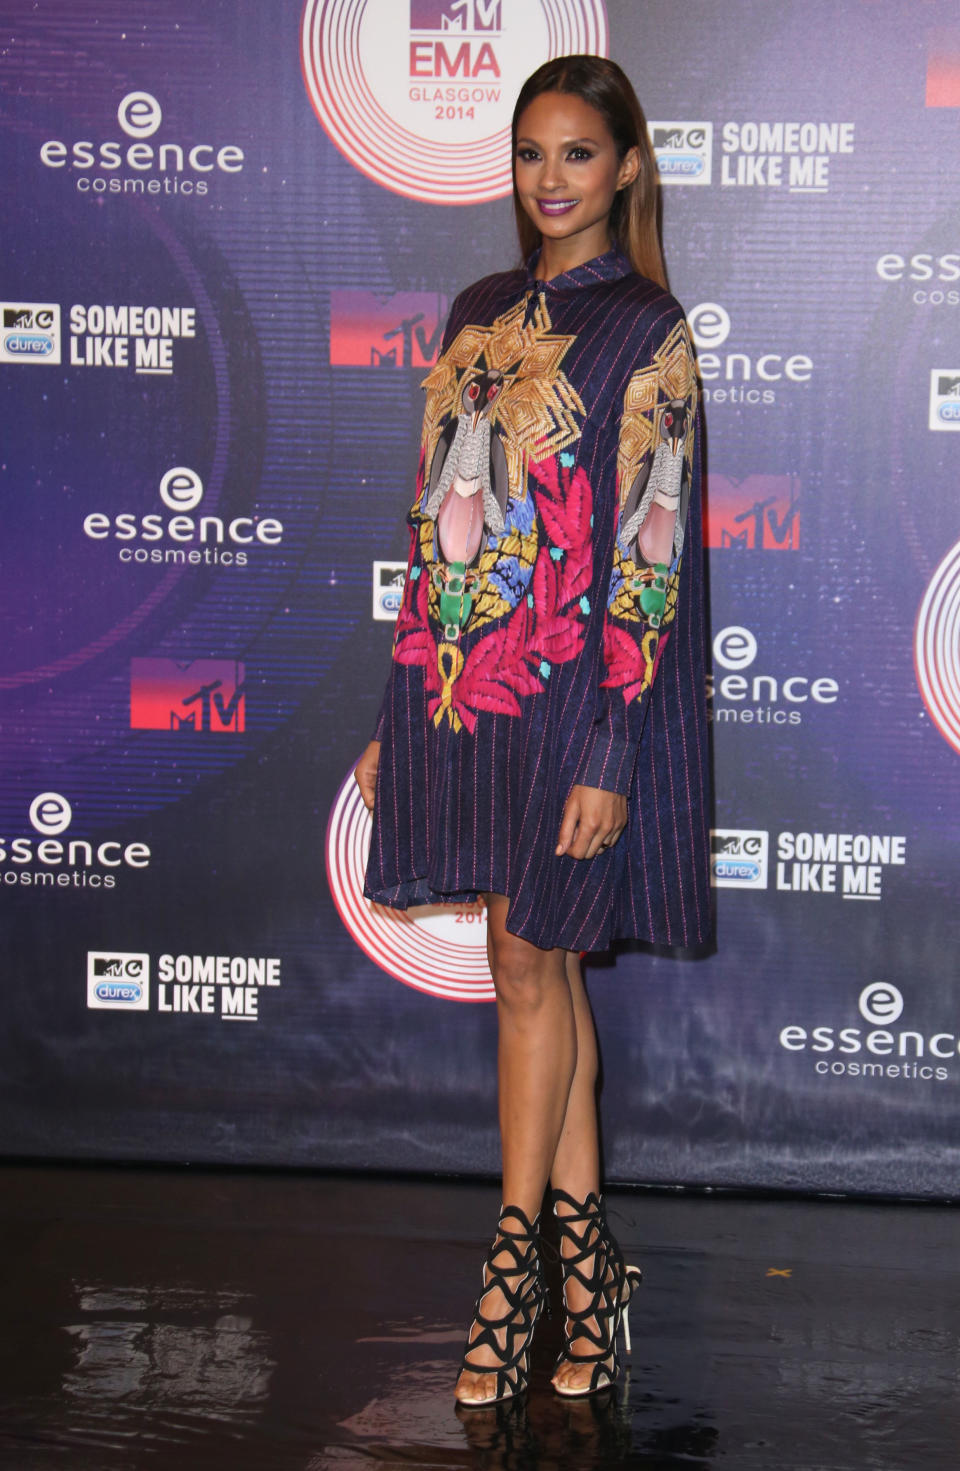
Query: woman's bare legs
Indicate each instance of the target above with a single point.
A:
(547, 1069)
(576, 1165)
(536, 1066)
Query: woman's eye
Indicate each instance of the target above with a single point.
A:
(527, 155)
(580, 155)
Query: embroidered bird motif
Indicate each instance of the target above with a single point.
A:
(468, 486)
(653, 515)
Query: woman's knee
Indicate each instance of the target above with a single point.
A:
(525, 978)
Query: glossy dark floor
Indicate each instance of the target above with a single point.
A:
(185, 1319)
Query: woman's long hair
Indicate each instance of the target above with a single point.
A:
(605, 87)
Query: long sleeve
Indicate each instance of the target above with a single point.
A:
(655, 479)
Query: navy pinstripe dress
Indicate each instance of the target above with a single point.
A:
(552, 626)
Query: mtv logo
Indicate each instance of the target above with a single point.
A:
(456, 15)
(944, 399)
(738, 858)
(668, 137)
(758, 513)
(943, 69)
(117, 967)
(389, 579)
(400, 331)
(205, 695)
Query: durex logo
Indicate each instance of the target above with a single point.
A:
(118, 980)
(124, 992)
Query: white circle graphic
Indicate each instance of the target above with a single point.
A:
(181, 489)
(418, 94)
(735, 647)
(50, 813)
(139, 115)
(880, 1003)
(440, 949)
(709, 324)
(936, 648)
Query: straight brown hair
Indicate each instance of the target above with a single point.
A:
(604, 86)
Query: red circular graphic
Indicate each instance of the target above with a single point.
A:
(936, 647)
(418, 94)
(441, 948)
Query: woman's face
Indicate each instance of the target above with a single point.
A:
(568, 173)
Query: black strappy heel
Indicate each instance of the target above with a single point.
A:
(517, 1249)
(596, 1262)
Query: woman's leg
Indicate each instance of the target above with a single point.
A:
(576, 1165)
(537, 1061)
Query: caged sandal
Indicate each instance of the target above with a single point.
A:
(596, 1263)
(513, 1265)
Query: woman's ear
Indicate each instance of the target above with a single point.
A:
(629, 168)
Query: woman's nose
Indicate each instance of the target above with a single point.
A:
(551, 173)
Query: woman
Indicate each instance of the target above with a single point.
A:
(542, 738)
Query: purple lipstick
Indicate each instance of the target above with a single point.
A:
(556, 206)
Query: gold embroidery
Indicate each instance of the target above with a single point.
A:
(670, 375)
(450, 665)
(538, 414)
(538, 407)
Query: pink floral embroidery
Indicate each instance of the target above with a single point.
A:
(631, 664)
(516, 658)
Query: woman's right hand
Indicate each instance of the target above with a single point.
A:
(366, 774)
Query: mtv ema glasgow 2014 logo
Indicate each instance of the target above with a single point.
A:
(418, 94)
(440, 948)
(936, 647)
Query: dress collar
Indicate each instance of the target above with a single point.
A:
(610, 266)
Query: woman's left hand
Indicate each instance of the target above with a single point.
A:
(593, 820)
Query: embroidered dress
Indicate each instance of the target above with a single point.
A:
(552, 627)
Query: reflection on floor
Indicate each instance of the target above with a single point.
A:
(156, 1318)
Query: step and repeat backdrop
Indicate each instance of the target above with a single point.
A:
(231, 234)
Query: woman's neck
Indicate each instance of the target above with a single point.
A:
(557, 256)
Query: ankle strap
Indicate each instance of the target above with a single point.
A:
(528, 1228)
(579, 1209)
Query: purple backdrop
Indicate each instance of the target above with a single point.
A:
(223, 282)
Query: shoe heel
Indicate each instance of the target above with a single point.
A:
(633, 1278)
